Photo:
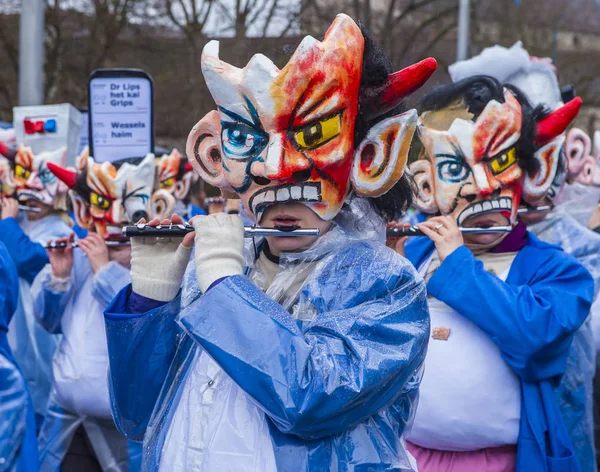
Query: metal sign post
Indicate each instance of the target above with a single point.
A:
(31, 53)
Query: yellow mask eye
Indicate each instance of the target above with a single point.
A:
(504, 161)
(167, 182)
(20, 171)
(318, 133)
(99, 201)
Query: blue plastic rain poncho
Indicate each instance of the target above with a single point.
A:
(32, 346)
(566, 226)
(322, 377)
(79, 397)
(18, 451)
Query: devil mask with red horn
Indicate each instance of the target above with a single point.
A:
(311, 132)
(106, 196)
(175, 174)
(485, 147)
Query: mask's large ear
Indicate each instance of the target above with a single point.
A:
(422, 172)
(203, 149)
(82, 211)
(536, 185)
(578, 148)
(163, 204)
(182, 188)
(380, 158)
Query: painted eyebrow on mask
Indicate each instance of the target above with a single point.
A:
(255, 123)
(459, 156)
(134, 191)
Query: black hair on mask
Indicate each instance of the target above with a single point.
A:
(376, 68)
(476, 92)
(81, 187)
(181, 170)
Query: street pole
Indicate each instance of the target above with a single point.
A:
(462, 43)
(31, 53)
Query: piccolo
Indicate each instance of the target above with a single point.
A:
(28, 208)
(175, 231)
(63, 244)
(415, 231)
(522, 210)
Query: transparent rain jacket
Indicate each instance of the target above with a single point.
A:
(32, 345)
(333, 372)
(73, 307)
(575, 392)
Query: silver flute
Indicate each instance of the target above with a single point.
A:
(63, 244)
(415, 231)
(175, 231)
(28, 208)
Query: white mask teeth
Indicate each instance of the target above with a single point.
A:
(502, 203)
(309, 192)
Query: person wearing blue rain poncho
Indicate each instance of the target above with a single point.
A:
(538, 80)
(24, 233)
(18, 447)
(308, 355)
(70, 295)
(504, 306)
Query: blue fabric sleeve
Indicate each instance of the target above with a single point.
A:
(29, 257)
(366, 343)
(531, 324)
(141, 348)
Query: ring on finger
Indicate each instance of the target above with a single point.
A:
(438, 227)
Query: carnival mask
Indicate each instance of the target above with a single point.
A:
(106, 198)
(472, 166)
(584, 161)
(288, 135)
(32, 178)
(7, 156)
(175, 174)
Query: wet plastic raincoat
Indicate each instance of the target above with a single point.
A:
(74, 307)
(18, 449)
(531, 317)
(326, 379)
(32, 345)
(575, 393)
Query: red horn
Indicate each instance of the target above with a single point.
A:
(557, 122)
(188, 167)
(7, 152)
(398, 86)
(69, 177)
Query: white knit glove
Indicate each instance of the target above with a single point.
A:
(157, 267)
(219, 247)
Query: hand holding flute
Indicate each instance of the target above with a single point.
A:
(61, 260)
(445, 233)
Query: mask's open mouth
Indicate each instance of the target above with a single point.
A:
(24, 195)
(308, 192)
(502, 204)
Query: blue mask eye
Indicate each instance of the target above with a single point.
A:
(453, 170)
(241, 141)
(46, 176)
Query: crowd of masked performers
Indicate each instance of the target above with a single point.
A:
(469, 347)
